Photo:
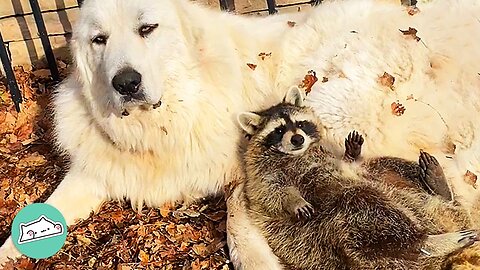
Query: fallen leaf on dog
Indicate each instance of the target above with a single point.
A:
(412, 10)
(387, 80)
(164, 129)
(409, 97)
(308, 81)
(397, 108)
(470, 178)
(324, 79)
(291, 24)
(450, 148)
(252, 66)
(264, 55)
(411, 32)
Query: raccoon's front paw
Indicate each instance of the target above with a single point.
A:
(304, 210)
(353, 146)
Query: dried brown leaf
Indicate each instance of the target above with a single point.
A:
(33, 160)
(308, 81)
(324, 79)
(200, 249)
(450, 148)
(412, 10)
(411, 32)
(164, 129)
(470, 178)
(252, 66)
(264, 55)
(291, 23)
(387, 80)
(143, 256)
(397, 108)
(166, 209)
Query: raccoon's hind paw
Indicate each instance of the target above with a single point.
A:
(444, 244)
(353, 146)
(304, 210)
(433, 176)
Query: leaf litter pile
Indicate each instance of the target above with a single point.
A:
(117, 237)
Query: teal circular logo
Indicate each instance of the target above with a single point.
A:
(39, 231)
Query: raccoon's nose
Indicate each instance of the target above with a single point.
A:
(297, 140)
(126, 81)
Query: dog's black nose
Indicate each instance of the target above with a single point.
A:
(297, 140)
(127, 81)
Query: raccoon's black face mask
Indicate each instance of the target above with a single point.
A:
(287, 127)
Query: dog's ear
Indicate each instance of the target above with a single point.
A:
(81, 53)
(248, 121)
(294, 96)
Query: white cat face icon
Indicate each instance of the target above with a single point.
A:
(39, 229)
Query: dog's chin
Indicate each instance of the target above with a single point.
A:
(125, 105)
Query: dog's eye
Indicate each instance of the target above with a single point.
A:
(146, 29)
(100, 39)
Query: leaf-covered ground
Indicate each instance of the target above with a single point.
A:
(173, 237)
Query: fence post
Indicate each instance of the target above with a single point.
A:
(271, 6)
(47, 47)
(11, 81)
(227, 5)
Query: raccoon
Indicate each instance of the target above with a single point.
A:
(316, 214)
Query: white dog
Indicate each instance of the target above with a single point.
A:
(149, 112)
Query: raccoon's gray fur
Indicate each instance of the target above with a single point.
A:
(320, 212)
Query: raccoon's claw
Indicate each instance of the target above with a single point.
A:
(304, 211)
(353, 146)
(468, 237)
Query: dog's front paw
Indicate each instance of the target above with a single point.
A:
(304, 210)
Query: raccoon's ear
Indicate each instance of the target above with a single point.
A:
(248, 121)
(294, 96)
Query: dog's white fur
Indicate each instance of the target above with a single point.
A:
(195, 62)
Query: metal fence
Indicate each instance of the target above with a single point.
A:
(225, 5)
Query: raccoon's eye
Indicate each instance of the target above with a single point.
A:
(100, 39)
(280, 130)
(146, 29)
(301, 124)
